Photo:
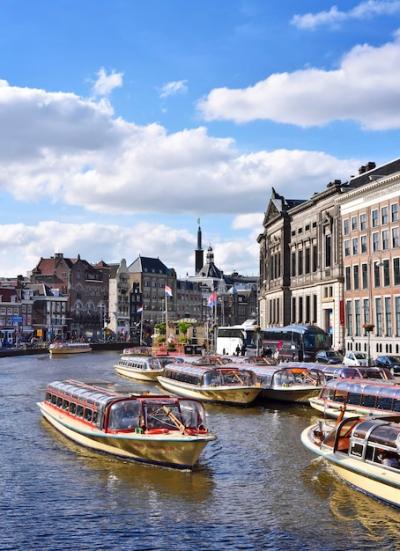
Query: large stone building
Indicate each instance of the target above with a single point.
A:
(86, 287)
(371, 258)
(301, 257)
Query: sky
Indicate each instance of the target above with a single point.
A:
(123, 121)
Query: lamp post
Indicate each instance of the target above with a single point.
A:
(368, 328)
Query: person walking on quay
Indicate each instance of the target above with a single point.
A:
(243, 350)
(237, 350)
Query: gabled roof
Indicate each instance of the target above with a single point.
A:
(278, 205)
(149, 265)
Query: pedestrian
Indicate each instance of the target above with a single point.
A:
(237, 350)
(243, 350)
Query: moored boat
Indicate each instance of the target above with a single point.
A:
(357, 397)
(142, 368)
(362, 451)
(288, 383)
(343, 372)
(69, 348)
(163, 430)
(212, 383)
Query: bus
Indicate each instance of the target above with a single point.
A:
(229, 338)
(295, 342)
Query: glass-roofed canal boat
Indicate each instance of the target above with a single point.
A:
(69, 348)
(365, 452)
(157, 429)
(357, 397)
(215, 383)
(288, 382)
(142, 368)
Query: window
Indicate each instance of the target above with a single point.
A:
(385, 240)
(374, 218)
(328, 250)
(366, 310)
(377, 274)
(355, 246)
(386, 273)
(348, 278)
(307, 318)
(397, 315)
(307, 260)
(349, 319)
(363, 244)
(395, 212)
(356, 277)
(346, 227)
(300, 263)
(300, 309)
(293, 263)
(379, 320)
(396, 271)
(395, 238)
(315, 303)
(357, 316)
(364, 276)
(363, 222)
(294, 310)
(375, 242)
(384, 215)
(314, 258)
(388, 316)
(354, 223)
(347, 247)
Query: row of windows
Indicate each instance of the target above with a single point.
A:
(365, 400)
(380, 348)
(305, 309)
(384, 274)
(360, 222)
(73, 408)
(306, 228)
(386, 316)
(305, 261)
(379, 241)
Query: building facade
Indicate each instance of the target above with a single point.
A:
(371, 258)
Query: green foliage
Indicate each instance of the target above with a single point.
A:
(161, 328)
(183, 327)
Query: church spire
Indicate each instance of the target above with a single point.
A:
(199, 253)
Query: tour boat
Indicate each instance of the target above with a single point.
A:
(69, 348)
(211, 383)
(163, 430)
(142, 368)
(365, 452)
(288, 383)
(344, 372)
(357, 397)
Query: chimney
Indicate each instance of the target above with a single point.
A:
(362, 169)
(370, 166)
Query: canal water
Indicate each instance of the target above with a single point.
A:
(256, 487)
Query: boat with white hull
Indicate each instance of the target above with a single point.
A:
(141, 368)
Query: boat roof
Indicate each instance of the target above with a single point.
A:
(200, 370)
(365, 386)
(94, 394)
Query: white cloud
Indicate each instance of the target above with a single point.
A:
(73, 150)
(21, 246)
(174, 87)
(106, 83)
(252, 220)
(365, 88)
(334, 16)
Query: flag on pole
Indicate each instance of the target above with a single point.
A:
(168, 291)
(212, 299)
(140, 309)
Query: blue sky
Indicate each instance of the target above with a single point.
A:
(123, 122)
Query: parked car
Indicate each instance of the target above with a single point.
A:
(328, 357)
(356, 359)
(391, 362)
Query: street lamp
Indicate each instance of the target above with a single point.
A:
(368, 328)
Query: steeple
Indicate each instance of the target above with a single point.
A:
(199, 253)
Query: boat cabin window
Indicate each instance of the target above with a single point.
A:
(354, 398)
(193, 414)
(72, 408)
(88, 414)
(396, 405)
(53, 399)
(153, 363)
(124, 415)
(212, 378)
(368, 401)
(384, 402)
(79, 411)
(65, 404)
(357, 449)
(340, 395)
(162, 416)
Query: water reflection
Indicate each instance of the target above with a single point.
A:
(118, 475)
